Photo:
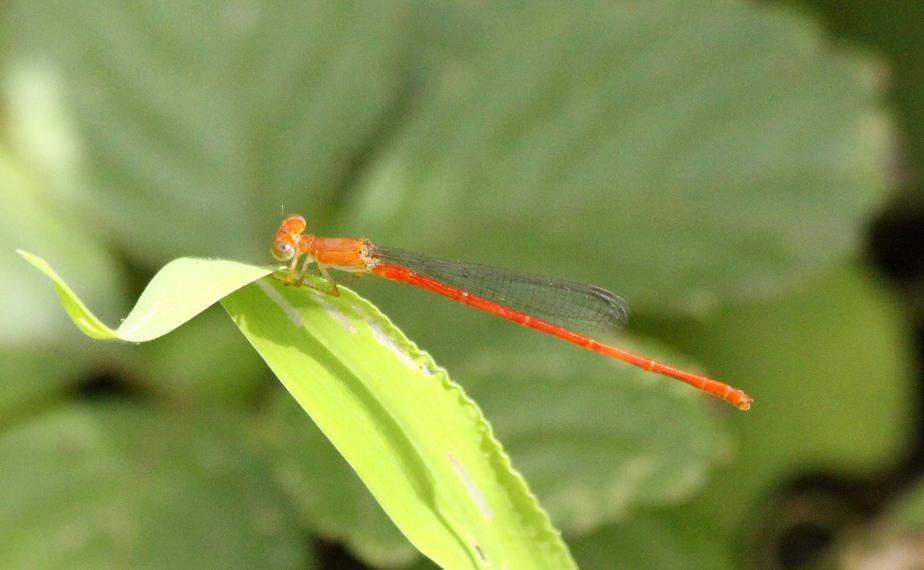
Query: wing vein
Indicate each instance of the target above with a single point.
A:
(585, 309)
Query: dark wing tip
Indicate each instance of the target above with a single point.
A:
(619, 309)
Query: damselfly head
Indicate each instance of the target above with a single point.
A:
(286, 241)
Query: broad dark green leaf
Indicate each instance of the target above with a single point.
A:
(829, 366)
(31, 377)
(891, 31)
(679, 153)
(597, 439)
(199, 121)
(204, 361)
(652, 541)
(118, 485)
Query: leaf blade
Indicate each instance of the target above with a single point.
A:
(436, 468)
(445, 480)
(181, 290)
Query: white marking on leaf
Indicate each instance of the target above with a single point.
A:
(359, 311)
(335, 313)
(473, 491)
(391, 345)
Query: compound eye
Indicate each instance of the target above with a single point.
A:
(283, 251)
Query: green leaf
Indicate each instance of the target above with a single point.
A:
(651, 540)
(890, 29)
(829, 365)
(189, 114)
(181, 290)
(204, 361)
(655, 541)
(117, 485)
(37, 377)
(678, 152)
(332, 500)
(417, 442)
(622, 438)
(597, 439)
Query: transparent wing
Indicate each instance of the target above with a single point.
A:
(585, 309)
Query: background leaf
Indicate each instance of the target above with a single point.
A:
(187, 110)
(666, 128)
(182, 367)
(890, 30)
(833, 346)
(89, 485)
(626, 438)
(653, 541)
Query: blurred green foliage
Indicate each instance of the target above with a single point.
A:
(717, 165)
(110, 483)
